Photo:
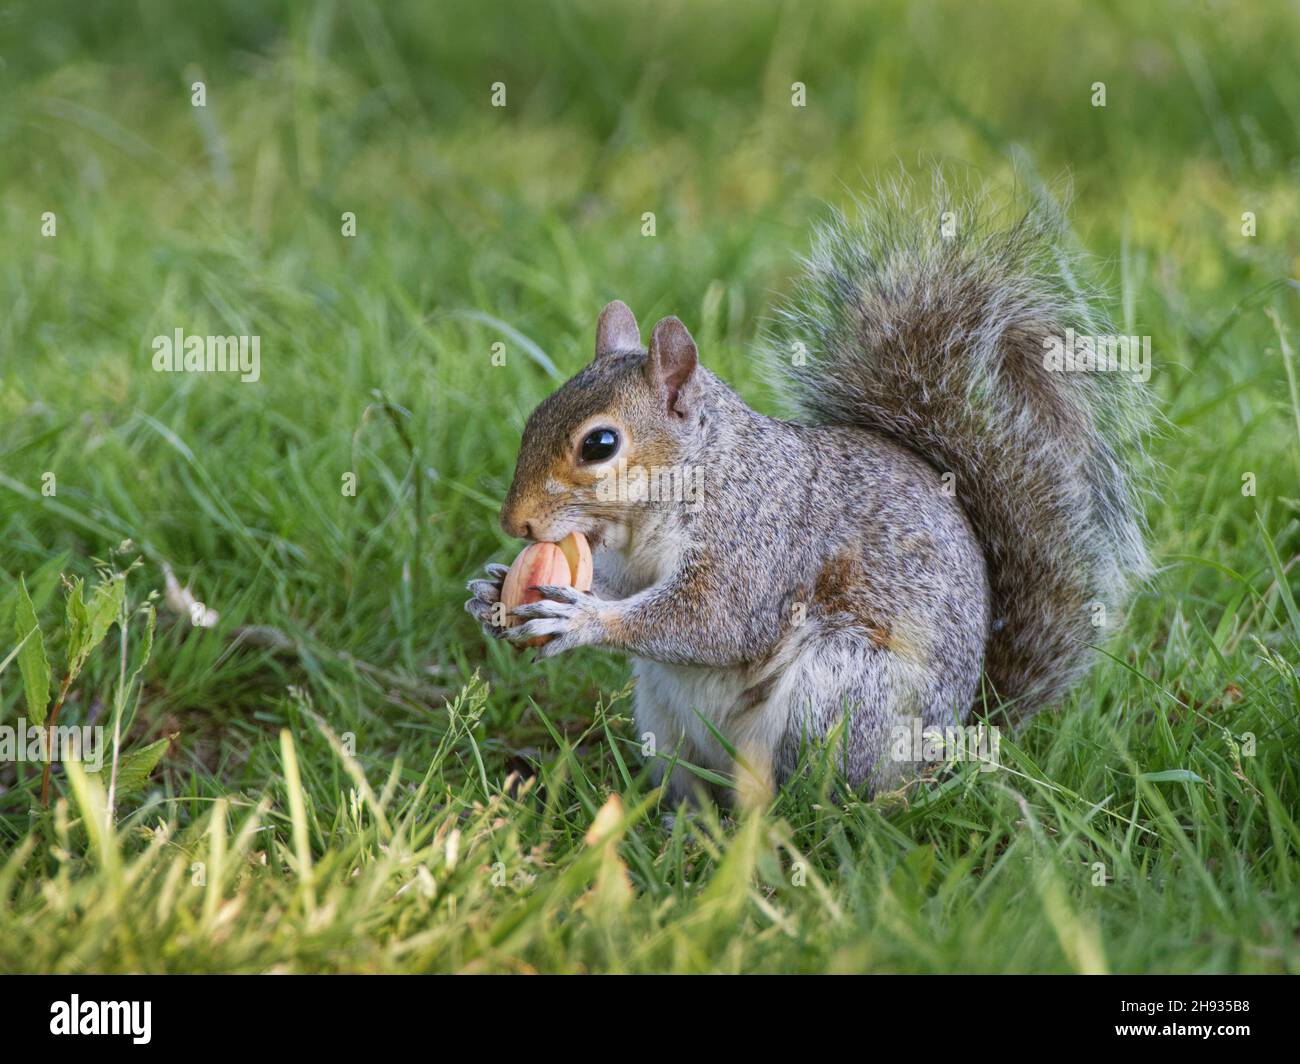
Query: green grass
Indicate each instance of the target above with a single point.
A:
(454, 838)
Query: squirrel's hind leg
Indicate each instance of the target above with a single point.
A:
(845, 697)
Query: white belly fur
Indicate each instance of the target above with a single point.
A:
(678, 699)
(671, 694)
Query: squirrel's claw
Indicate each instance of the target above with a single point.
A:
(540, 626)
(560, 602)
(559, 630)
(544, 608)
(561, 593)
(484, 590)
(558, 645)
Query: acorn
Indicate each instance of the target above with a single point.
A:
(577, 552)
(566, 564)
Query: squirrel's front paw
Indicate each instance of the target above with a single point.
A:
(572, 618)
(485, 607)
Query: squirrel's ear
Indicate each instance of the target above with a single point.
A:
(671, 365)
(617, 330)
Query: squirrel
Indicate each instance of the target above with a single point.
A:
(944, 508)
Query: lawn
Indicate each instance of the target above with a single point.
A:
(354, 778)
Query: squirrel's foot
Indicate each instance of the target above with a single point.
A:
(572, 618)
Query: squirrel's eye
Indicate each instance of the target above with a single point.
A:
(598, 445)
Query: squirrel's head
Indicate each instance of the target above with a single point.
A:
(629, 409)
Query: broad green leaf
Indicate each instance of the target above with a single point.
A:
(1172, 775)
(78, 622)
(133, 768)
(32, 660)
(100, 612)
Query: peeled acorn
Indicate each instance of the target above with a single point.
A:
(577, 552)
(564, 564)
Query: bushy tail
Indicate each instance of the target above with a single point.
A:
(937, 341)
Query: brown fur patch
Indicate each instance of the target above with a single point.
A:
(755, 695)
(844, 587)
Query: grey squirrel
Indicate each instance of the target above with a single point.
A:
(945, 507)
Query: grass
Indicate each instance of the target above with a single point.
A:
(383, 789)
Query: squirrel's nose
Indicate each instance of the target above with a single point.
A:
(513, 525)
